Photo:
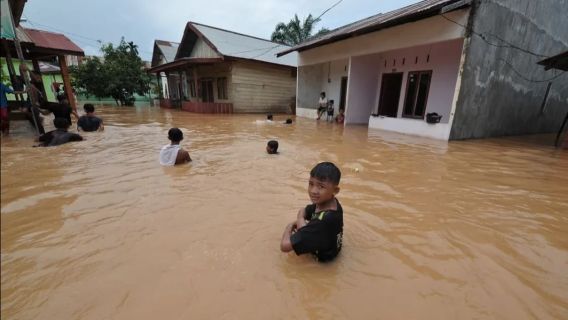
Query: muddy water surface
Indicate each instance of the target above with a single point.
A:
(98, 230)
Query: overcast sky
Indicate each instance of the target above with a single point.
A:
(143, 21)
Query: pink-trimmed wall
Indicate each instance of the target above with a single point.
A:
(442, 58)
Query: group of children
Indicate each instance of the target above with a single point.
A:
(62, 121)
(325, 106)
(317, 228)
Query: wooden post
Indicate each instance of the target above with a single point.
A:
(196, 80)
(37, 70)
(67, 83)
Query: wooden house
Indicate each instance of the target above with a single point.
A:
(220, 71)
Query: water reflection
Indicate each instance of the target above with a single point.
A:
(433, 230)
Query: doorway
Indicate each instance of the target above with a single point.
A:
(390, 94)
(207, 90)
(343, 93)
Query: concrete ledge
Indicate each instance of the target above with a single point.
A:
(307, 113)
(440, 131)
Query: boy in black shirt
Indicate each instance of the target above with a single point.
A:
(89, 122)
(318, 228)
(59, 135)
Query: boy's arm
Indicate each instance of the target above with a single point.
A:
(286, 244)
(301, 218)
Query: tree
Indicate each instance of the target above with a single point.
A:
(119, 74)
(296, 32)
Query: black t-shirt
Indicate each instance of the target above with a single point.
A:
(89, 123)
(60, 111)
(57, 137)
(323, 234)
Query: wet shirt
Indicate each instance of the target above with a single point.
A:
(323, 234)
(168, 154)
(58, 137)
(60, 111)
(89, 123)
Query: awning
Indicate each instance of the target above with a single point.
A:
(183, 62)
(50, 42)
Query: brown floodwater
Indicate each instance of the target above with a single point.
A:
(433, 230)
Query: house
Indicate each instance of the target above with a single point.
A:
(165, 52)
(472, 62)
(220, 71)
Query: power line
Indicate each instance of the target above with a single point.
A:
(483, 37)
(326, 10)
(74, 35)
(528, 79)
(508, 45)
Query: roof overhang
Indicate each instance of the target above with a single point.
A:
(183, 62)
(559, 61)
(410, 16)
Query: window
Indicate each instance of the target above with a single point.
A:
(417, 88)
(192, 88)
(222, 89)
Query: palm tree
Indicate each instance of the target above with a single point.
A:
(295, 31)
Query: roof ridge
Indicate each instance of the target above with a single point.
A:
(233, 32)
(156, 41)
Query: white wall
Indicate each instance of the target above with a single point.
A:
(362, 89)
(434, 29)
(440, 131)
(332, 72)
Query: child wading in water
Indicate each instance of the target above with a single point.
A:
(173, 153)
(318, 228)
(272, 147)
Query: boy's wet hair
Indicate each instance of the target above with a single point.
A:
(326, 171)
(288, 121)
(175, 134)
(89, 108)
(269, 117)
(273, 144)
(61, 123)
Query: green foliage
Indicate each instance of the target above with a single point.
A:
(119, 74)
(296, 31)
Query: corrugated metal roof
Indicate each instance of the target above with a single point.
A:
(417, 11)
(233, 44)
(168, 48)
(53, 41)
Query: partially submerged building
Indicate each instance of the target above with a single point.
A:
(472, 62)
(220, 71)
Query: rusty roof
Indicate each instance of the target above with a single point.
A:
(420, 10)
(55, 43)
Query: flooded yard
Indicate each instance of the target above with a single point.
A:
(433, 230)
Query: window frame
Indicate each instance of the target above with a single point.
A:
(222, 88)
(419, 74)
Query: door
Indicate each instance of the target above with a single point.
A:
(343, 95)
(207, 90)
(390, 94)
